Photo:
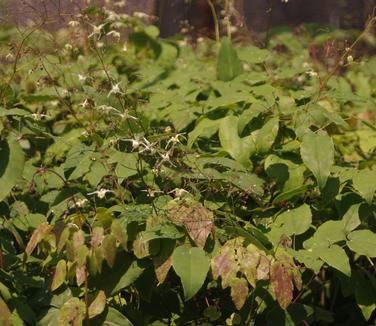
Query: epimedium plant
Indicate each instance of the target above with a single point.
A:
(150, 183)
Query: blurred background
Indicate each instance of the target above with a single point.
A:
(196, 16)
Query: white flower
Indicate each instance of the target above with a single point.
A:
(38, 116)
(9, 56)
(82, 78)
(68, 46)
(85, 103)
(175, 139)
(178, 192)
(140, 15)
(115, 90)
(148, 146)
(101, 193)
(80, 202)
(74, 23)
(125, 48)
(97, 30)
(311, 73)
(120, 4)
(152, 192)
(115, 34)
(350, 59)
(125, 115)
(106, 108)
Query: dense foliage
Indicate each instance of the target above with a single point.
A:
(158, 182)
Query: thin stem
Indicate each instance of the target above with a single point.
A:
(215, 18)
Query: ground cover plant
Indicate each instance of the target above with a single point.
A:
(166, 182)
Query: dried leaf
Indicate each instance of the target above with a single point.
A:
(98, 305)
(38, 235)
(239, 292)
(60, 275)
(162, 268)
(263, 268)
(225, 266)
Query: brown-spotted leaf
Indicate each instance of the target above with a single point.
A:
(119, 234)
(80, 274)
(98, 305)
(60, 275)
(249, 259)
(109, 249)
(197, 220)
(289, 264)
(97, 237)
(38, 235)
(263, 268)
(281, 282)
(225, 266)
(72, 313)
(5, 314)
(239, 292)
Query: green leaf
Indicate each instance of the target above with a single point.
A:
(192, 266)
(72, 313)
(295, 221)
(317, 153)
(365, 183)
(229, 65)
(266, 135)
(365, 294)
(363, 242)
(60, 275)
(12, 162)
(239, 148)
(109, 249)
(335, 257)
(205, 128)
(351, 219)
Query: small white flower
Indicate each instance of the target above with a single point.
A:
(97, 30)
(100, 45)
(115, 90)
(178, 192)
(54, 103)
(115, 34)
(311, 73)
(80, 202)
(101, 193)
(74, 23)
(9, 56)
(350, 59)
(125, 115)
(140, 15)
(306, 65)
(152, 192)
(85, 104)
(135, 143)
(82, 78)
(64, 92)
(68, 46)
(106, 108)
(120, 4)
(175, 139)
(148, 146)
(38, 116)
(125, 48)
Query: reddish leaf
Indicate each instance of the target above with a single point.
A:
(98, 305)
(281, 282)
(80, 274)
(239, 292)
(60, 275)
(97, 237)
(197, 220)
(249, 259)
(263, 268)
(225, 266)
(38, 235)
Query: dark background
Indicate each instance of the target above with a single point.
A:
(253, 15)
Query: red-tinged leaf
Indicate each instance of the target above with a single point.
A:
(98, 305)
(78, 239)
(38, 235)
(225, 266)
(80, 274)
(197, 220)
(97, 237)
(60, 275)
(281, 282)
(64, 236)
(263, 268)
(239, 292)
(119, 234)
(72, 313)
(162, 268)
(109, 249)
(288, 263)
(5, 314)
(249, 259)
